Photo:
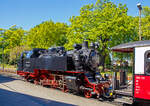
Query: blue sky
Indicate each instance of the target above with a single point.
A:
(28, 13)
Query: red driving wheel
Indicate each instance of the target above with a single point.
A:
(87, 94)
(65, 89)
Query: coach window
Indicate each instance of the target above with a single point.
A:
(147, 62)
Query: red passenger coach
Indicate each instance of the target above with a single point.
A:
(141, 69)
(142, 73)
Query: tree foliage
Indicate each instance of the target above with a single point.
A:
(10, 39)
(146, 23)
(47, 34)
(103, 22)
(146, 11)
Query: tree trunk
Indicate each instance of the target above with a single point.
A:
(102, 61)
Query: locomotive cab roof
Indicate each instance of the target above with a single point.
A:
(129, 47)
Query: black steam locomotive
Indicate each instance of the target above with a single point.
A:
(75, 71)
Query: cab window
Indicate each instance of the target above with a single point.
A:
(147, 62)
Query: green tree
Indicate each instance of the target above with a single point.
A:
(146, 23)
(146, 28)
(146, 11)
(11, 38)
(104, 22)
(47, 34)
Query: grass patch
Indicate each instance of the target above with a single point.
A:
(7, 66)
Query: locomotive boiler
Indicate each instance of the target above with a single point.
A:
(70, 71)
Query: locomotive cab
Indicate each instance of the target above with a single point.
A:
(26, 62)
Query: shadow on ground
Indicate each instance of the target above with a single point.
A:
(125, 104)
(9, 98)
(4, 79)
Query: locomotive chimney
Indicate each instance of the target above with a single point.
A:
(85, 45)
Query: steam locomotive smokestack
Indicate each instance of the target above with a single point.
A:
(85, 45)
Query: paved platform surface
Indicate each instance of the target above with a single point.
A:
(15, 92)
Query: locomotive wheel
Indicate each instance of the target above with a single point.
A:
(107, 93)
(65, 89)
(87, 94)
(26, 78)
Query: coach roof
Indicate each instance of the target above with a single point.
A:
(129, 47)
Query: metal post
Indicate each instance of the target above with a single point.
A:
(114, 80)
(140, 8)
(3, 59)
(140, 24)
